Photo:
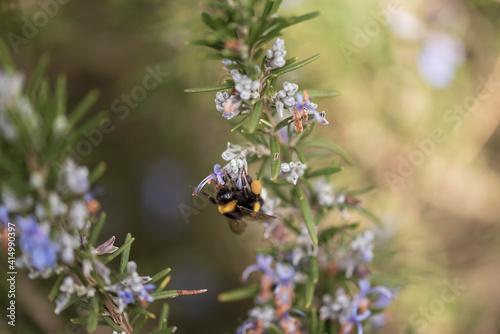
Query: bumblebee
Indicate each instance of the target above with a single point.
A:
(238, 201)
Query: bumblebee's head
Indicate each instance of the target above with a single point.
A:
(224, 195)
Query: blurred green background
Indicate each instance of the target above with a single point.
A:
(398, 84)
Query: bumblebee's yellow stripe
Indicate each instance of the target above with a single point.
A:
(228, 207)
(256, 206)
(256, 187)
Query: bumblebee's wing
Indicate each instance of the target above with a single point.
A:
(237, 226)
(254, 215)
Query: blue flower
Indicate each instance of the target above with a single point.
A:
(385, 295)
(4, 214)
(284, 275)
(439, 57)
(249, 324)
(264, 264)
(126, 296)
(302, 102)
(359, 308)
(355, 319)
(218, 174)
(36, 244)
(144, 294)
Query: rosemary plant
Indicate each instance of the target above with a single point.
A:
(50, 219)
(314, 275)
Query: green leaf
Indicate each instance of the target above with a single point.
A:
(126, 245)
(109, 321)
(97, 172)
(275, 156)
(96, 230)
(306, 213)
(93, 315)
(160, 275)
(361, 191)
(317, 94)
(83, 305)
(298, 19)
(164, 330)
(237, 126)
(365, 212)
(166, 294)
(140, 324)
(314, 321)
(283, 123)
(255, 116)
(61, 95)
(82, 107)
(125, 255)
(55, 288)
(290, 61)
(80, 320)
(274, 330)
(295, 66)
(262, 170)
(242, 293)
(322, 172)
(313, 269)
(37, 77)
(330, 232)
(5, 58)
(276, 6)
(300, 155)
(329, 146)
(309, 292)
(165, 310)
(210, 88)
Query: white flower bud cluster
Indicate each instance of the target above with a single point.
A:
(228, 62)
(325, 193)
(246, 87)
(68, 288)
(293, 171)
(228, 105)
(334, 309)
(264, 313)
(220, 100)
(276, 55)
(363, 246)
(76, 177)
(11, 98)
(285, 97)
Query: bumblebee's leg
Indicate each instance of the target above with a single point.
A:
(232, 182)
(208, 196)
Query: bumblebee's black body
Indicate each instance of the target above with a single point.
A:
(237, 204)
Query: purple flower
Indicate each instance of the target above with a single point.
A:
(264, 264)
(284, 275)
(4, 214)
(360, 304)
(439, 58)
(355, 319)
(249, 324)
(126, 296)
(303, 103)
(36, 244)
(385, 295)
(218, 174)
(144, 294)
